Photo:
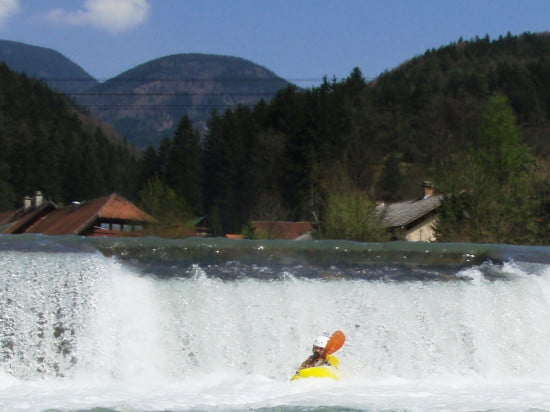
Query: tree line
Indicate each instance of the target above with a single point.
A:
(473, 117)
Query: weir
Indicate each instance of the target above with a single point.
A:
(73, 313)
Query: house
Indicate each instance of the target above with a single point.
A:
(413, 220)
(275, 229)
(110, 215)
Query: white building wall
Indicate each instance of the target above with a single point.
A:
(424, 232)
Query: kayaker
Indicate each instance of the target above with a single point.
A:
(318, 358)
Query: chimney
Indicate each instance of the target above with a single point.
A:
(27, 203)
(429, 189)
(38, 198)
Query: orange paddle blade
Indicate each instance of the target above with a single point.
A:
(335, 342)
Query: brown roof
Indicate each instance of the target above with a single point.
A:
(7, 220)
(234, 236)
(77, 219)
(275, 229)
(6, 217)
(18, 221)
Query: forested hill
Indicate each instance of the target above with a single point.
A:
(145, 103)
(44, 145)
(468, 115)
(436, 98)
(42, 63)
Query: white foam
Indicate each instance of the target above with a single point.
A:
(141, 343)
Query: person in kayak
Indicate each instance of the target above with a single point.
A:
(318, 358)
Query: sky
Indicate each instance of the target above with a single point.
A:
(299, 40)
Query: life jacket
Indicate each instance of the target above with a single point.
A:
(312, 361)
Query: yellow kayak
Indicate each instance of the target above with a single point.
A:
(316, 372)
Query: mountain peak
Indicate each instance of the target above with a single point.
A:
(56, 70)
(145, 103)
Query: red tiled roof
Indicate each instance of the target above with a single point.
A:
(234, 236)
(18, 221)
(6, 217)
(275, 229)
(76, 219)
(7, 220)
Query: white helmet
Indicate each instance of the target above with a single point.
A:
(321, 341)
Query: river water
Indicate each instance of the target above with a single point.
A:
(221, 325)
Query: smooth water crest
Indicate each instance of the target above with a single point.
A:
(221, 325)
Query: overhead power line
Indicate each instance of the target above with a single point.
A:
(175, 94)
(190, 79)
(159, 107)
(234, 96)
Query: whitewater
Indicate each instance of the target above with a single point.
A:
(221, 325)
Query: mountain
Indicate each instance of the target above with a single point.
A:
(145, 103)
(49, 65)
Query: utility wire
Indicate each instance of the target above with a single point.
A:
(175, 107)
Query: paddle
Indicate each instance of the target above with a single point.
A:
(335, 342)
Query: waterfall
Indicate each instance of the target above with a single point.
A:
(81, 314)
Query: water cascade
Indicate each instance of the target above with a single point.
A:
(82, 329)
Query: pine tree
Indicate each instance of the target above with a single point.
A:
(391, 178)
(184, 169)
